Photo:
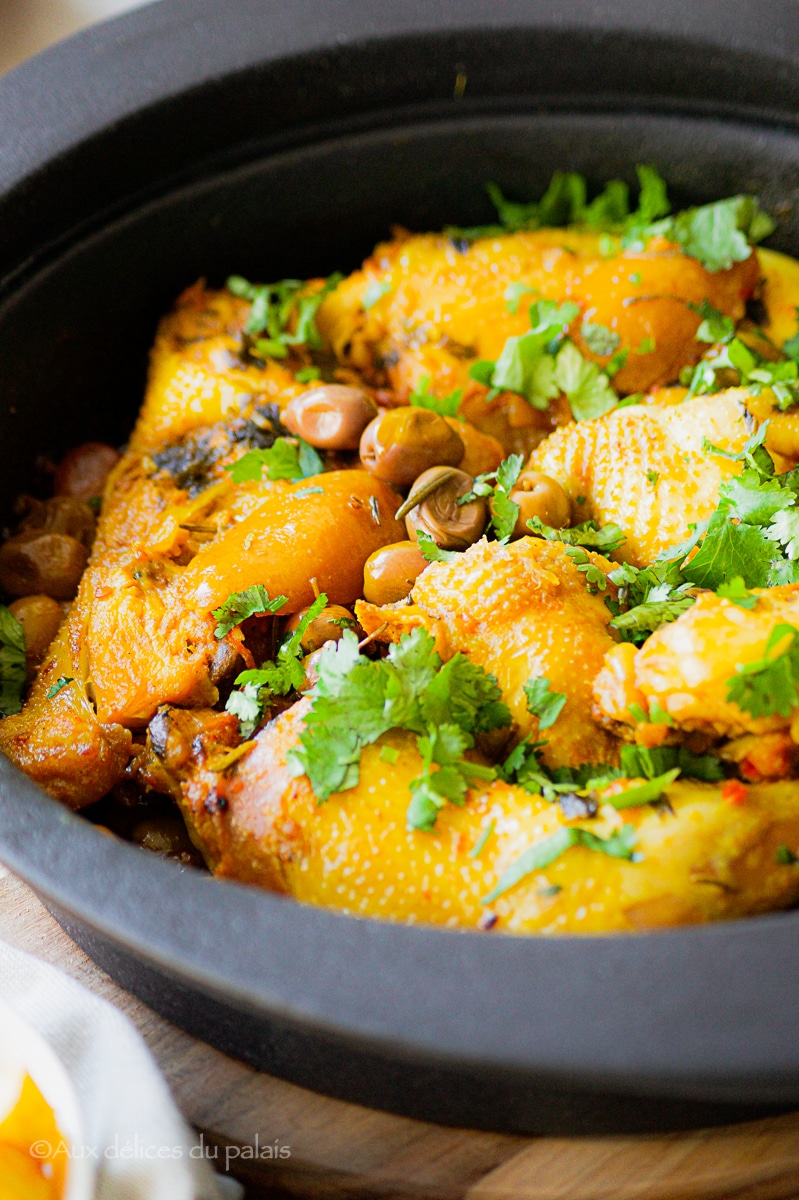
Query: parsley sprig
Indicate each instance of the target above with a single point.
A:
(12, 662)
(356, 700)
(276, 306)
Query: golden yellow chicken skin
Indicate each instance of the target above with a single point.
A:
(518, 611)
(686, 666)
(445, 303)
(703, 859)
(198, 375)
(646, 469)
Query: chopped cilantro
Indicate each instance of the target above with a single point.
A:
(586, 386)
(647, 346)
(446, 406)
(285, 674)
(638, 761)
(616, 364)
(770, 685)
(737, 592)
(645, 793)
(595, 578)
(389, 754)
(288, 458)
(60, 683)
(543, 703)
(717, 234)
(241, 605)
(604, 538)
(785, 856)
(374, 292)
(543, 853)
(599, 339)
(308, 375)
(714, 326)
(648, 597)
(276, 305)
(652, 478)
(514, 293)
(356, 700)
(498, 485)
(12, 662)
(431, 551)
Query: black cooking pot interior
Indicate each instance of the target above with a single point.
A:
(201, 137)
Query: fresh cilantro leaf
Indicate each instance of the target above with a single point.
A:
(543, 703)
(638, 761)
(514, 293)
(718, 234)
(750, 498)
(650, 615)
(653, 201)
(308, 375)
(586, 387)
(544, 852)
(652, 478)
(605, 538)
(714, 326)
(431, 551)
(644, 793)
(60, 683)
(246, 705)
(736, 591)
(241, 605)
(288, 458)
(504, 511)
(754, 451)
(446, 406)
(12, 662)
(728, 550)
(616, 364)
(785, 856)
(482, 371)
(467, 695)
(791, 346)
(276, 305)
(599, 339)
(480, 844)
(595, 577)
(610, 208)
(785, 530)
(769, 685)
(374, 292)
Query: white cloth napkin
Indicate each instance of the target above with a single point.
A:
(128, 1114)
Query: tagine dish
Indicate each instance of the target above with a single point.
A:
(462, 590)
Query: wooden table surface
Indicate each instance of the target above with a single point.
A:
(340, 1151)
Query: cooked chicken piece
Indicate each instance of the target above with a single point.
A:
(703, 858)
(445, 308)
(141, 633)
(518, 611)
(645, 467)
(686, 666)
(199, 374)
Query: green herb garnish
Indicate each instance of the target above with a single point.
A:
(288, 458)
(770, 685)
(12, 662)
(543, 853)
(445, 406)
(60, 683)
(241, 605)
(543, 703)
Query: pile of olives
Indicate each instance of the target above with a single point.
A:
(434, 459)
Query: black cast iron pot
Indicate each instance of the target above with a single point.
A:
(282, 137)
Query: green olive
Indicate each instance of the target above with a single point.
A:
(391, 572)
(48, 563)
(40, 617)
(402, 442)
(330, 417)
(450, 525)
(327, 627)
(538, 495)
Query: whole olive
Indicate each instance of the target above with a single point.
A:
(84, 470)
(327, 627)
(40, 617)
(538, 495)
(438, 514)
(48, 563)
(401, 443)
(330, 417)
(60, 514)
(391, 572)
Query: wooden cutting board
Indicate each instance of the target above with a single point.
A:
(340, 1151)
